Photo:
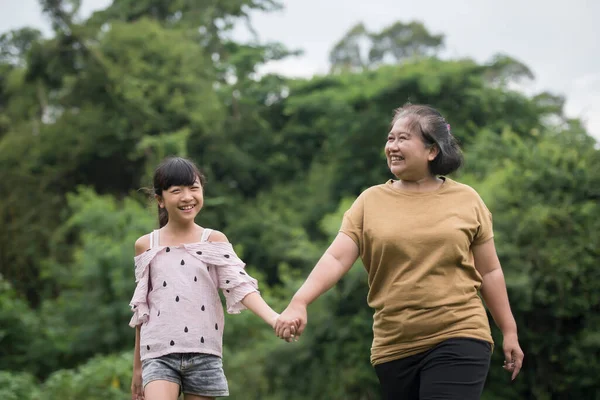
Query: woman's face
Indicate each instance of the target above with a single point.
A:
(407, 155)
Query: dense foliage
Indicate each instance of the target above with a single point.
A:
(86, 114)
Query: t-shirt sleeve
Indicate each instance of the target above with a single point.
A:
(352, 223)
(485, 230)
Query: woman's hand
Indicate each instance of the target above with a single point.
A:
(513, 355)
(295, 315)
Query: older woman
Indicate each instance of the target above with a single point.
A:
(427, 244)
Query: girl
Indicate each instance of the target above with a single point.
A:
(176, 307)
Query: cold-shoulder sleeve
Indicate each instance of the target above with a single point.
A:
(233, 280)
(139, 301)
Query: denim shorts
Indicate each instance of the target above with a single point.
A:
(195, 373)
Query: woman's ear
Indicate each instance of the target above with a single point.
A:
(433, 152)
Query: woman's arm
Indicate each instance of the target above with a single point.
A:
(493, 291)
(493, 288)
(335, 262)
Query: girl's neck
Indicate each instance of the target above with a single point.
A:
(172, 228)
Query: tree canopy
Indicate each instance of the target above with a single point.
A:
(87, 114)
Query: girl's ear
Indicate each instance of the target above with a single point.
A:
(160, 201)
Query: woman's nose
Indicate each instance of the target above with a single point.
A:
(393, 145)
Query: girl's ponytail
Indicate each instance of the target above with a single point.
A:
(163, 217)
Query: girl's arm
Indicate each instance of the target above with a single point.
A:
(137, 390)
(141, 245)
(255, 303)
(137, 364)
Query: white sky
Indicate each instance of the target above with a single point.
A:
(558, 40)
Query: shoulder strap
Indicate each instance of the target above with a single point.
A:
(154, 238)
(205, 235)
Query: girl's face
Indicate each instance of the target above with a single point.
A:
(407, 155)
(182, 203)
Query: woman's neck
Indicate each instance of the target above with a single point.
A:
(425, 184)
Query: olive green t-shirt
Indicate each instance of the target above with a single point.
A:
(416, 248)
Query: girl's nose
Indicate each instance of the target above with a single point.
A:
(187, 194)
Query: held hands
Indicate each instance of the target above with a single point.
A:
(291, 323)
(513, 354)
(289, 329)
(137, 390)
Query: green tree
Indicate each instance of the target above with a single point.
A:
(348, 53)
(95, 276)
(402, 41)
(360, 49)
(86, 114)
(546, 223)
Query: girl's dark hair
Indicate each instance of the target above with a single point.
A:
(174, 171)
(435, 130)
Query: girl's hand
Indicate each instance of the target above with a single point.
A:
(295, 316)
(513, 354)
(137, 390)
(289, 329)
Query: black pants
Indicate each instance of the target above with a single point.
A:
(455, 369)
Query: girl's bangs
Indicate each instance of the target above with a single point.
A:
(176, 172)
